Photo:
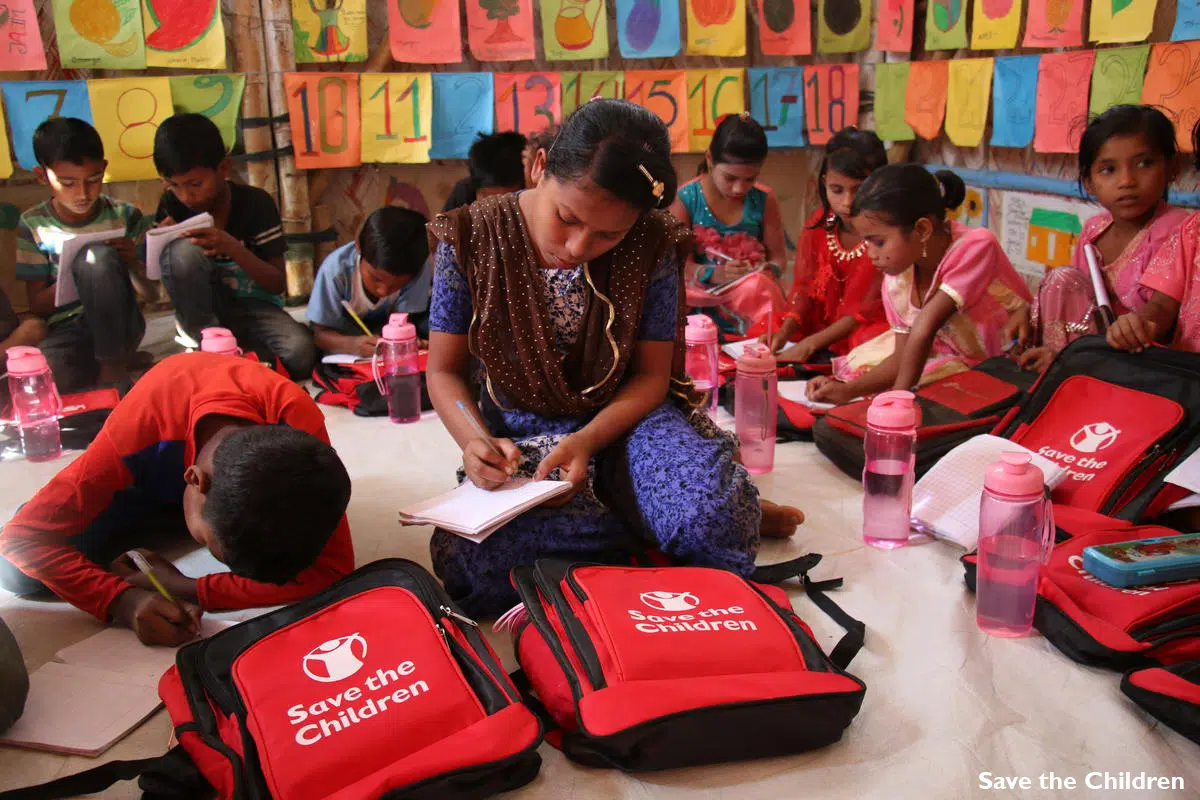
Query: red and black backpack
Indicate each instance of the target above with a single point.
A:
(1170, 694)
(353, 386)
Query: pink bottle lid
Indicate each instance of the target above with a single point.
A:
(895, 410)
(399, 329)
(215, 333)
(756, 359)
(700, 330)
(1014, 475)
(25, 361)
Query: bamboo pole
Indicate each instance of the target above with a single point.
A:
(293, 184)
(246, 26)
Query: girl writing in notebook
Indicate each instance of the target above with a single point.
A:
(738, 230)
(835, 302)
(1127, 160)
(949, 291)
(568, 296)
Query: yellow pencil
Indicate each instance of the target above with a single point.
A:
(353, 316)
(143, 566)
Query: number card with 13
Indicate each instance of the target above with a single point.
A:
(527, 102)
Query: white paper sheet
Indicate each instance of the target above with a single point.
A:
(475, 513)
(65, 290)
(158, 238)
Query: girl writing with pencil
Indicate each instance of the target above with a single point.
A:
(568, 296)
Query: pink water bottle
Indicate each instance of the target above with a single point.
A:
(888, 469)
(701, 357)
(397, 369)
(755, 406)
(1015, 531)
(36, 403)
(219, 340)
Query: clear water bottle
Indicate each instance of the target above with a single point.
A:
(36, 403)
(219, 340)
(397, 369)
(888, 469)
(755, 406)
(701, 359)
(1015, 532)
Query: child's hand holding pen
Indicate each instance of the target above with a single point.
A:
(156, 613)
(488, 462)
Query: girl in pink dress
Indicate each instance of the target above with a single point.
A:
(1172, 314)
(1127, 162)
(950, 294)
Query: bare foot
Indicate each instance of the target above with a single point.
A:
(779, 522)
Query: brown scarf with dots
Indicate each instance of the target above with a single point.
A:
(511, 332)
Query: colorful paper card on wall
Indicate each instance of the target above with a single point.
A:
(713, 94)
(777, 102)
(995, 24)
(19, 31)
(785, 27)
(187, 34)
(6, 164)
(1187, 21)
(891, 89)
(580, 87)
(648, 28)
(946, 25)
(967, 100)
(716, 27)
(328, 31)
(895, 31)
(1054, 23)
(425, 31)
(574, 30)
(462, 109)
(1121, 20)
(830, 99)
(126, 113)
(528, 101)
(218, 97)
(397, 115)
(1172, 83)
(1062, 100)
(843, 26)
(925, 106)
(1014, 83)
(100, 34)
(500, 30)
(326, 123)
(29, 103)
(1117, 77)
(665, 93)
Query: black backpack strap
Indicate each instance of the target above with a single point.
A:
(784, 570)
(94, 780)
(846, 649)
(525, 688)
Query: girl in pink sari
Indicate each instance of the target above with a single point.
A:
(1127, 162)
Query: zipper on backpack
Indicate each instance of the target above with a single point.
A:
(493, 695)
(574, 584)
(815, 659)
(531, 597)
(1167, 627)
(574, 629)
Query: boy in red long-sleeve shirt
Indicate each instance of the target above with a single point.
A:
(240, 450)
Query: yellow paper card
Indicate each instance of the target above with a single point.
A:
(716, 27)
(993, 27)
(397, 114)
(188, 35)
(967, 98)
(573, 30)
(713, 94)
(6, 165)
(580, 87)
(1121, 20)
(126, 112)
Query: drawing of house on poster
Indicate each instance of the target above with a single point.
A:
(1052, 236)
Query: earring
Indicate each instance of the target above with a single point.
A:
(924, 250)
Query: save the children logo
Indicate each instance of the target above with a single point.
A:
(336, 659)
(1094, 438)
(670, 601)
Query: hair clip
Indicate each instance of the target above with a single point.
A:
(657, 187)
(744, 116)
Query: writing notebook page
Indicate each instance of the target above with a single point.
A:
(118, 650)
(471, 509)
(158, 238)
(65, 290)
(797, 392)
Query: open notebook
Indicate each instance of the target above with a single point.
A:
(65, 291)
(94, 693)
(160, 237)
(797, 392)
(946, 499)
(475, 513)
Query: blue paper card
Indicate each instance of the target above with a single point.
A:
(30, 103)
(462, 109)
(648, 28)
(777, 103)
(1014, 90)
(1187, 21)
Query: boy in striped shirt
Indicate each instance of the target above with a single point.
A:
(93, 339)
(232, 274)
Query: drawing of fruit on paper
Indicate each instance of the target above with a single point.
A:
(115, 26)
(179, 24)
(947, 13)
(778, 15)
(997, 9)
(1120, 5)
(417, 13)
(642, 24)
(1058, 12)
(842, 17)
(713, 12)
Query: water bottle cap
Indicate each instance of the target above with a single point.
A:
(1014, 475)
(220, 345)
(893, 410)
(215, 333)
(700, 330)
(756, 359)
(399, 329)
(23, 361)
